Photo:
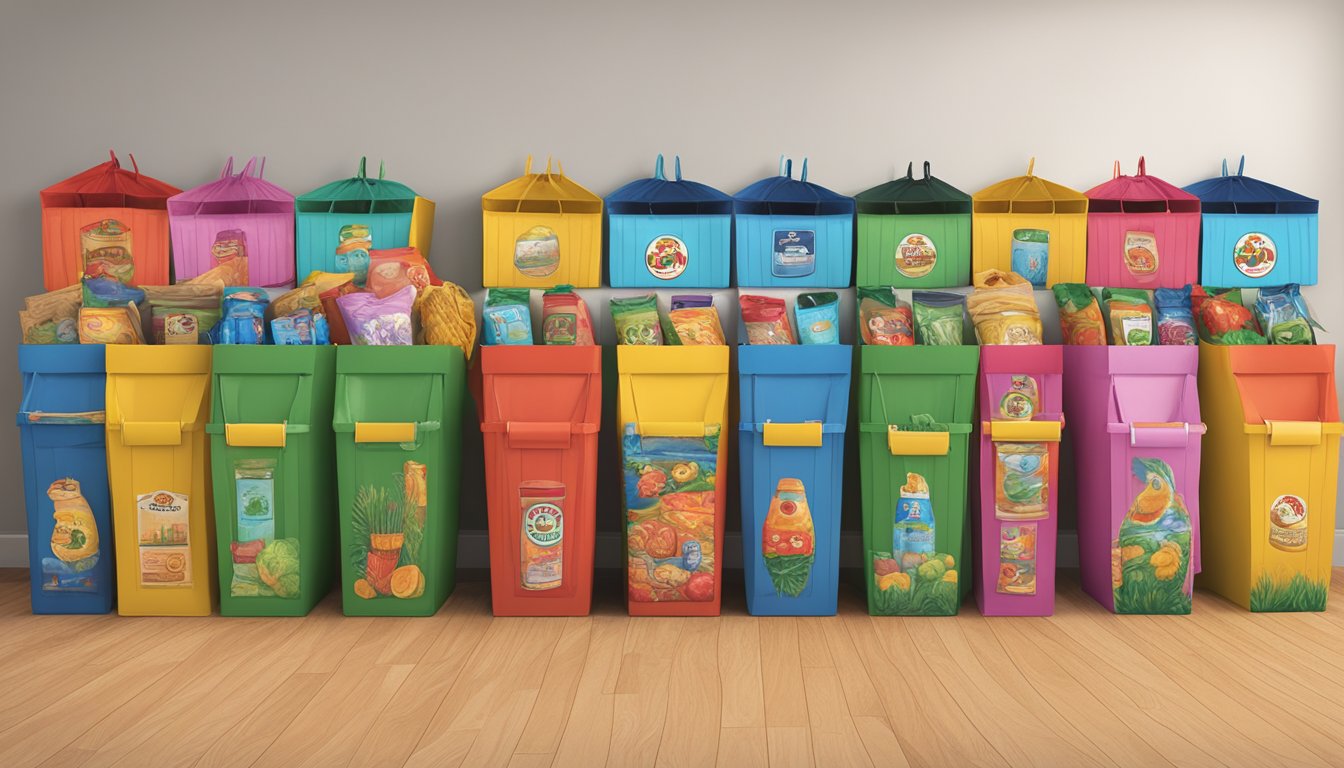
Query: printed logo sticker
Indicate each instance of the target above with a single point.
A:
(164, 539)
(795, 253)
(1255, 254)
(666, 257)
(1031, 255)
(353, 243)
(1017, 560)
(1019, 402)
(1288, 523)
(1141, 254)
(543, 524)
(537, 252)
(106, 249)
(916, 255)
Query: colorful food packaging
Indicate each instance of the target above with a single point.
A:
(818, 316)
(1218, 312)
(508, 316)
(108, 292)
(379, 322)
(939, 318)
(564, 318)
(110, 325)
(1175, 320)
(52, 317)
(695, 322)
(244, 317)
(303, 297)
(230, 248)
(448, 317)
(331, 286)
(354, 242)
(300, 327)
(392, 269)
(636, 320)
(106, 248)
(1131, 316)
(1003, 309)
(185, 313)
(883, 320)
(1080, 318)
(1283, 314)
(766, 319)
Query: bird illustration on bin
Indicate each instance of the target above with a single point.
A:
(787, 538)
(1150, 559)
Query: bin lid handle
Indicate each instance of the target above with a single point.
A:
(1294, 432)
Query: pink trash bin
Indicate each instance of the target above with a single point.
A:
(235, 215)
(1141, 233)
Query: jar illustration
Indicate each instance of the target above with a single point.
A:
(543, 533)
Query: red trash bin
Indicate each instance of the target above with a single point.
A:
(540, 410)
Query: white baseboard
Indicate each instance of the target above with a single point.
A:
(473, 550)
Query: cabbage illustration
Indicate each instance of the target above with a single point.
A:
(278, 567)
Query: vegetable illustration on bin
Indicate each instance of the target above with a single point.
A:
(672, 408)
(1135, 420)
(1033, 227)
(665, 233)
(915, 411)
(1269, 513)
(793, 232)
(273, 457)
(540, 409)
(1141, 232)
(397, 418)
(541, 230)
(65, 478)
(793, 407)
(914, 233)
(1018, 464)
(235, 216)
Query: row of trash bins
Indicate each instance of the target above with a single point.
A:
(127, 449)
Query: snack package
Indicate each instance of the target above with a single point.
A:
(818, 316)
(1080, 318)
(448, 317)
(299, 327)
(107, 250)
(1218, 312)
(392, 269)
(378, 322)
(636, 319)
(695, 322)
(507, 316)
(52, 317)
(939, 318)
(110, 325)
(564, 318)
(303, 297)
(108, 292)
(1284, 316)
(184, 313)
(883, 320)
(230, 272)
(331, 286)
(244, 317)
(230, 248)
(354, 242)
(766, 319)
(1003, 309)
(1175, 320)
(1131, 316)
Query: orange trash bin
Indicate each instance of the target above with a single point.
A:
(540, 409)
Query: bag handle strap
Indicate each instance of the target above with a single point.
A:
(1115, 170)
(1224, 166)
(658, 169)
(113, 154)
(676, 160)
(251, 166)
(910, 170)
(804, 176)
(228, 169)
(363, 168)
(261, 173)
(1031, 166)
(1241, 166)
(783, 167)
(927, 167)
(1143, 166)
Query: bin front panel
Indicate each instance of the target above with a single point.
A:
(317, 236)
(815, 251)
(64, 239)
(914, 251)
(663, 251)
(998, 243)
(267, 237)
(1258, 250)
(541, 250)
(1165, 249)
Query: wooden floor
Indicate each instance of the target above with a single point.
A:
(1220, 687)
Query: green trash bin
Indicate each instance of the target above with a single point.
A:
(913, 233)
(398, 422)
(915, 536)
(272, 457)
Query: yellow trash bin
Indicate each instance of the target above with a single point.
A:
(1271, 464)
(158, 402)
(1030, 226)
(539, 231)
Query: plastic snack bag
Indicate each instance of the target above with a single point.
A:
(300, 327)
(185, 313)
(448, 317)
(331, 286)
(379, 322)
(636, 320)
(1283, 314)
(244, 317)
(1218, 312)
(1175, 320)
(354, 242)
(110, 325)
(883, 320)
(229, 272)
(818, 316)
(108, 292)
(1080, 318)
(766, 319)
(1003, 309)
(106, 246)
(52, 317)
(507, 317)
(392, 269)
(564, 318)
(939, 318)
(1131, 316)
(303, 297)
(695, 322)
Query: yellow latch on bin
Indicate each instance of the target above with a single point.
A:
(384, 432)
(255, 435)
(148, 433)
(1024, 431)
(1294, 432)
(672, 429)
(805, 435)
(917, 443)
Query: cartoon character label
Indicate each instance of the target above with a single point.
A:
(229, 244)
(536, 252)
(1031, 255)
(388, 529)
(1022, 399)
(1255, 254)
(353, 243)
(916, 255)
(795, 253)
(1021, 481)
(542, 503)
(1288, 523)
(666, 257)
(1017, 560)
(1141, 255)
(165, 537)
(106, 250)
(1150, 557)
(74, 540)
(788, 540)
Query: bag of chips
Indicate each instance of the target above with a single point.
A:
(1130, 315)
(636, 320)
(1175, 320)
(939, 318)
(331, 286)
(300, 327)
(1080, 318)
(1283, 314)
(1003, 309)
(108, 292)
(508, 316)
(289, 302)
(111, 325)
(564, 318)
(52, 317)
(818, 316)
(184, 313)
(766, 319)
(695, 322)
(382, 322)
(883, 320)
(448, 317)
(392, 269)
(226, 273)
(244, 317)
(1218, 312)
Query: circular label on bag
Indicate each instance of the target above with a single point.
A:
(666, 257)
(916, 255)
(1255, 254)
(543, 524)
(536, 252)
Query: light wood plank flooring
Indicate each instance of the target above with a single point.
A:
(1220, 687)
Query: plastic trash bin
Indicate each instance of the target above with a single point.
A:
(1133, 414)
(273, 460)
(672, 409)
(1269, 508)
(65, 478)
(793, 410)
(1018, 479)
(398, 415)
(540, 412)
(158, 401)
(915, 535)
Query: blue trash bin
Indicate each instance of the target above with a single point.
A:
(65, 478)
(794, 402)
(789, 232)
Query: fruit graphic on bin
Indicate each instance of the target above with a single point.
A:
(389, 526)
(670, 498)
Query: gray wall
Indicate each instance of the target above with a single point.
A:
(454, 96)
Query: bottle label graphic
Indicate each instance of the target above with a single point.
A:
(543, 533)
(788, 539)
